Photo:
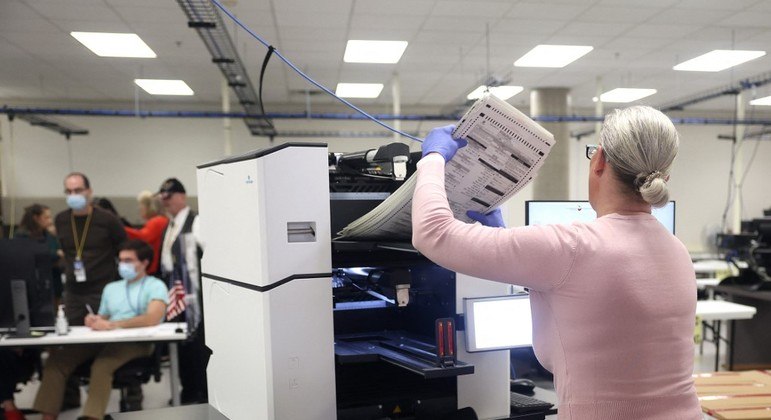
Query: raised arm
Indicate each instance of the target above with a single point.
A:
(539, 257)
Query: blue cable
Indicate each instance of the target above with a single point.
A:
(306, 77)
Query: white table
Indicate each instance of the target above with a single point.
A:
(170, 333)
(716, 311)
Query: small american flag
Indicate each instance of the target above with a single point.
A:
(176, 300)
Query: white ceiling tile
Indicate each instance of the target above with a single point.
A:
(485, 9)
(309, 21)
(716, 4)
(661, 31)
(394, 7)
(617, 14)
(323, 7)
(693, 16)
(748, 19)
(593, 28)
(408, 24)
(527, 26)
(68, 10)
(544, 10)
(456, 24)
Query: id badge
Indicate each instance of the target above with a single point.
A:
(79, 269)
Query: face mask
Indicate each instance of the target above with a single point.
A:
(127, 271)
(76, 201)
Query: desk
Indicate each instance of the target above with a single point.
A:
(716, 311)
(752, 337)
(170, 333)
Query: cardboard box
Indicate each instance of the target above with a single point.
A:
(735, 395)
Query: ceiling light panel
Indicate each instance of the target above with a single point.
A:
(625, 95)
(765, 101)
(359, 90)
(106, 44)
(503, 92)
(360, 51)
(717, 60)
(164, 87)
(554, 56)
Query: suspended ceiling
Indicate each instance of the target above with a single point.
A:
(635, 45)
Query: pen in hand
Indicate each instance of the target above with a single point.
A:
(90, 309)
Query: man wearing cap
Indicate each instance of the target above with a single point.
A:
(181, 252)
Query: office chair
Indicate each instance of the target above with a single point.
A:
(131, 375)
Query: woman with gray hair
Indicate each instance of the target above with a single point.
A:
(614, 299)
(155, 224)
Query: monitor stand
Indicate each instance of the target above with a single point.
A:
(20, 309)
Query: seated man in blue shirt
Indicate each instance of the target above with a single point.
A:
(138, 300)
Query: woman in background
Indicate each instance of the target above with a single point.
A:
(152, 231)
(37, 223)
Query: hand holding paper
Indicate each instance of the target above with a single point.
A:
(439, 140)
(492, 219)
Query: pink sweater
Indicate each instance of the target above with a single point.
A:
(613, 301)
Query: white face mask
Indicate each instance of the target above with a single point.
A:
(76, 201)
(127, 271)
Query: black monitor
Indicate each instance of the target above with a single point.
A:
(30, 261)
(498, 322)
(543, 212)
(762, 227)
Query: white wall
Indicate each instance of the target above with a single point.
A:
(123, 156)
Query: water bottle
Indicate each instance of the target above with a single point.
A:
(62, 326)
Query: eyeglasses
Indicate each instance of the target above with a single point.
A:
(591, 149)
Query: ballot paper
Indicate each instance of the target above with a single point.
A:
(505, 151)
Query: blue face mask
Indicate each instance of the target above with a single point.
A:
(127, 271)
(76, 201)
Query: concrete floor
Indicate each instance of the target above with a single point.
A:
(158, 395)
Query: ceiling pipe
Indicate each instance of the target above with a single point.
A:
(339, 116)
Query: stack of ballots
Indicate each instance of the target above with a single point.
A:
(505, 151)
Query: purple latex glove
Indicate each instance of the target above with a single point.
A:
(492, 219)
(440, 140)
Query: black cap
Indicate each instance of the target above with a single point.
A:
(170, 186)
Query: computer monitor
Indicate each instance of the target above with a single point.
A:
(498, 323)
(544, 212)
(30, 261)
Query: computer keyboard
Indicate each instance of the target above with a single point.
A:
(524, 404)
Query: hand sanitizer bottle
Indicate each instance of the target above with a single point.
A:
(62, 326)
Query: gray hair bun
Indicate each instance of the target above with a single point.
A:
(653, 188)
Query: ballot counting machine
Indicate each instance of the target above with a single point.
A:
(303, 326)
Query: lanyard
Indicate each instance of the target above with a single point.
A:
(80, 243)
(139, 295)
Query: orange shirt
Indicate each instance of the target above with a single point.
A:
(152, 233)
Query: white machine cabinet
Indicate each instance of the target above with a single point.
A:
(267, 284)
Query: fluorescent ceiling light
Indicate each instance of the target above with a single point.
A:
(359, 90)
(503, 92)
(624, 95)
(717, 60)
(358, 51)
(106, 44)
(552, 55)
(164, 87)
(761, 101)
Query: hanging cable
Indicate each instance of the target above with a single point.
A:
(731, 184)
(306, 77)
(12, 183)
(262, 76)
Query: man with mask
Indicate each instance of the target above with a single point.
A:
(138, 300)
(90, 238)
